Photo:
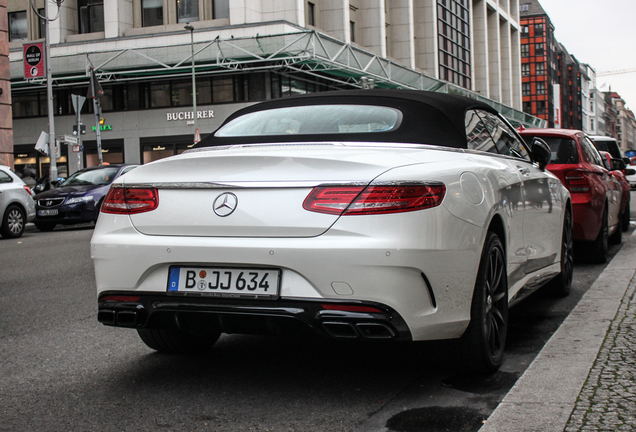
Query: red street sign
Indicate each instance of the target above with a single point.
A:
(33, 55)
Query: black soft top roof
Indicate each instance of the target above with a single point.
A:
(427, 117)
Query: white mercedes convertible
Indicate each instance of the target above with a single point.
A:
(372, 214)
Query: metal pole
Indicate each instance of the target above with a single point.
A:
(49, 96)
(97, 124)
(194, 84)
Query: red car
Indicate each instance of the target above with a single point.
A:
(618, 170)
(596, 194)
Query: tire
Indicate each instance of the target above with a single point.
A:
(598, 252)
(175, 341)
(480, 349)
(45, 226)
(617, 237)
(13, 222)
(625, 218)
(561, 285)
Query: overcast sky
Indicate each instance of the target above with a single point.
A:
(601, 33)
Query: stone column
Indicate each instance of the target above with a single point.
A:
(6, 117)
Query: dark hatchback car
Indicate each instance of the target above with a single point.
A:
(78, 199)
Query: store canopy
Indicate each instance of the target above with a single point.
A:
(309, 52)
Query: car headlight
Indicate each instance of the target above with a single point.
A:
(76, 200)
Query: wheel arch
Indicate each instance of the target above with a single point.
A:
(497, 226)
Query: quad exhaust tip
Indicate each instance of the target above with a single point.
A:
(359, 330)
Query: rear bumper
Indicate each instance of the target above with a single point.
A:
(281, 316)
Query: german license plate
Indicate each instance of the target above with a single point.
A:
(52, 212)
(224, 282)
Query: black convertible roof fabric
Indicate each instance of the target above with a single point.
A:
(427, 118)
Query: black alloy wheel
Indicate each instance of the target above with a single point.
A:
(561, 285)
(13, 222)
(481, 347)
(599, 247)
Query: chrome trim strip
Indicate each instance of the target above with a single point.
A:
(271, 184)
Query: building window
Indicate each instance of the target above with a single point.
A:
(525, 69)
(42, 24)
(524, 7)
(525, 50)
(17, 26)
(540, 68)
(541, 107)
(453, 32)
(524, 31)
(311, 14)
(187, 10)
(221, 9)
(541, 87)
(527, 107)
(539, 49)
(538, 30)
(152, 13)
(91, 16)
(525, 87)
(352, 30)
(592, 124)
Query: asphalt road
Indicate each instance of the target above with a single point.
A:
(62, 370)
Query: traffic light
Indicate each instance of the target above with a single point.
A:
(82, 129)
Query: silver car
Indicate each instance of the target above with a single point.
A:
(16, 204)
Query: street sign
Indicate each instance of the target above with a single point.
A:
(76, 148)
(70, 139)
(78, 102)
(33, 56)
(197, 136)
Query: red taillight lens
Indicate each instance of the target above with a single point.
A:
(350, 308)
(357, 200)
(577, 181)
(122, 200)
(28, 189)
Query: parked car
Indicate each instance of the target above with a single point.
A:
(375, 214)
(610, 145)
(618, 170)
(16, 204)
(596, 195)
(77, 199)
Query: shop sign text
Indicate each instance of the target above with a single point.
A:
(188, 115)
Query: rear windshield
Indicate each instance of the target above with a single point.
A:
(314, 120)
(563, 149)
(609, 146)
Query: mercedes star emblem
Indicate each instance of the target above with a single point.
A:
(225, 204)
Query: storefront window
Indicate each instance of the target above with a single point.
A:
(152, 13)
(223, 90)
(156, 152)
(187, 10)
(112, 152)
(159, 95)
(25, 166)
(182, 93)
(17, 26)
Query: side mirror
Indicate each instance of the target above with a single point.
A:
(56, 183)
(617, 164)
(629, 171)
(627, 161)
(541, 153)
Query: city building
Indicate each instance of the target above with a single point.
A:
(6, 120)
(244, 51)
(540, 78)
(625, 123)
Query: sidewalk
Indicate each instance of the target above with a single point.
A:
(584, 379)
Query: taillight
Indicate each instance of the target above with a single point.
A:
(122, 200)
(358, 200)
(120, 298)
(28, 189)
(577, 181)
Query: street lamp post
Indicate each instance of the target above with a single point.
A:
(194, 84)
